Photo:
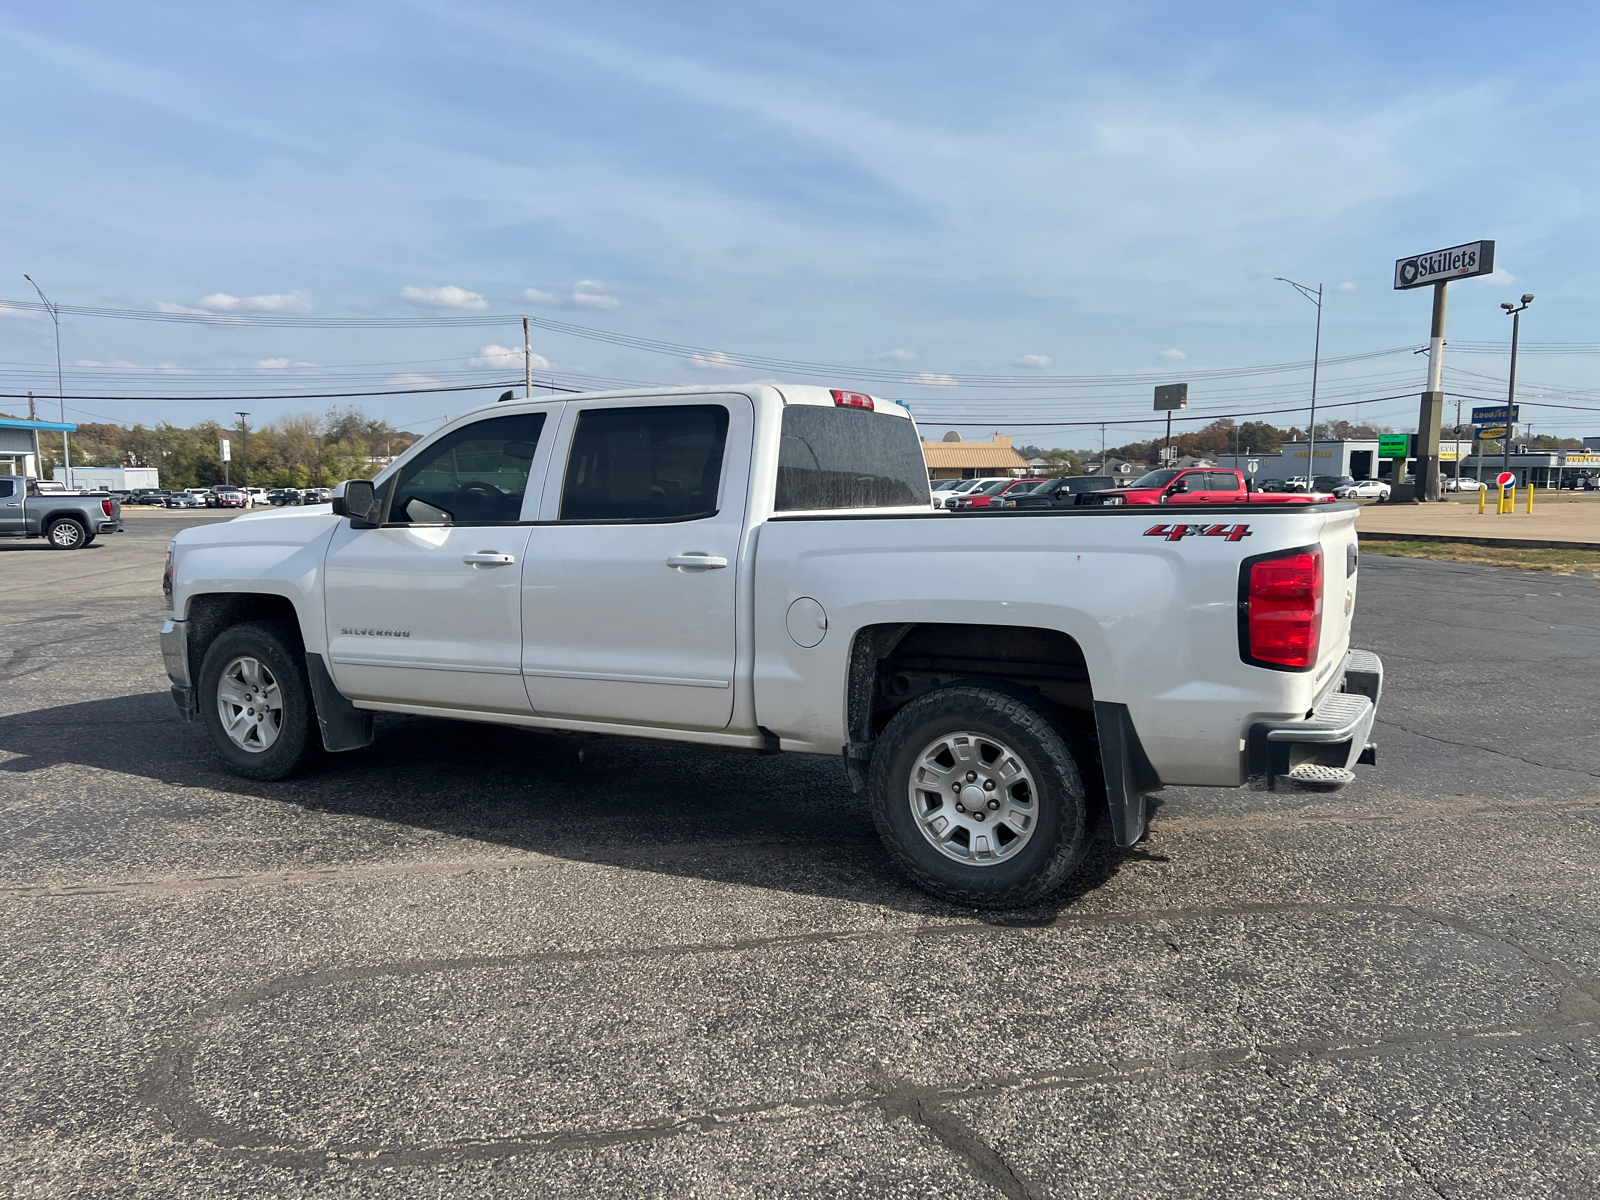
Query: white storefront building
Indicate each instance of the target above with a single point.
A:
(1357, 458)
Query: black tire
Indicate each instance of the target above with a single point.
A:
(276, 646)
(1063, 819)
(66, 533)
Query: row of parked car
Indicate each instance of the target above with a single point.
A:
(224, 496)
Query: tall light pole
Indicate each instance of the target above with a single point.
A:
(1511, 390)
(244, 453)
(1316, 358)
(61, 392)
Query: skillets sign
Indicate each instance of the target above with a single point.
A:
(1441, 266)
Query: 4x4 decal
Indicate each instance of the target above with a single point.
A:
(1176, 533)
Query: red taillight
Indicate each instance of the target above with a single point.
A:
(1282, 599)
(105, 507)
(852, 399)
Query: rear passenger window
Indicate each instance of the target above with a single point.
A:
(8, 487)
(661, 463)
(1224, 481)
(474, 476)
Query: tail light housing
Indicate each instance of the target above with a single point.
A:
(166, 578)
(1280, 609)
(851, 399)
(105, 507)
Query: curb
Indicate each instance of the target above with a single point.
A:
(1504, 543)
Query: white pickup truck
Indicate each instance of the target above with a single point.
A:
(759, 569)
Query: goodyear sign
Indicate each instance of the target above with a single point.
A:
(1441, 266)
(1496, 414)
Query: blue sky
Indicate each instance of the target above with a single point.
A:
(951, 188)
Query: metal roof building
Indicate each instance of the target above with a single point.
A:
(19, 444)
(972, 460)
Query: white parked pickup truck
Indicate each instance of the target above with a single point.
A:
(759, 569)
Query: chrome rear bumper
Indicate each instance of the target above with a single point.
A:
(1320, 751)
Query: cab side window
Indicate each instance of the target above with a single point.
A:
(661, 463)
(474, 476)
(1222, 481)
(8, 487)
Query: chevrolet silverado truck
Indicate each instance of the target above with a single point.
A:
(1207, 485)
(65, 520)
(758, 569)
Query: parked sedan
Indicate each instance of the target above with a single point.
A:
(278, 497)
(1464, 485)
(184, 500)
(983, 497)
(1363, 489)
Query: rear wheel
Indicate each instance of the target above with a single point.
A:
(976, 793)
(66, 533)
(256, 703)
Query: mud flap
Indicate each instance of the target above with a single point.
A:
(1128, 773)
(344, 727)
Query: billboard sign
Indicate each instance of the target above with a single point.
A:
(1394, 445)
(1488, 432)
(227, 449)
(1496, 415)
(1172, 395)
(1441, 266)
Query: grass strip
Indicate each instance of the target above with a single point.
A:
(1562, 562)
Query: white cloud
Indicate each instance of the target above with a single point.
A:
(898, 356)
(122, 364)
(930, 379)
(1499, 276)
(10, 310)
(505, 357)
(1349, 287)
(714, 360)
(586, 293)
(280, 302)
(443, 297)
(274, 364)
(412, 380)
(1174, 354)
(1034, 360)
(591, 293)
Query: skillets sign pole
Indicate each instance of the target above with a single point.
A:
(1170, 396)
(1437, 268)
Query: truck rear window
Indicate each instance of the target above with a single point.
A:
(848, 458)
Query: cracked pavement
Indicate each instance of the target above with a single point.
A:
(469, 961)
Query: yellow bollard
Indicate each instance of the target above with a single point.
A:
(1530, 499)
(1483, 496)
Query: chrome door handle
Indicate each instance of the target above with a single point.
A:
(697, 560)
(488, 558)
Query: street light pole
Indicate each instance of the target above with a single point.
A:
(1316, 359)
(1511, 388)
(61, 392)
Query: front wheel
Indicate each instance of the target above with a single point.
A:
(977, 795)
(256, 703)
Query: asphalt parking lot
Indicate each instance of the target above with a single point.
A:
(470, 961)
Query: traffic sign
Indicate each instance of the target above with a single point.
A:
(1394, 445)
(1496, 415)
(1441, 266)
(1505, 479)
(1252, 465)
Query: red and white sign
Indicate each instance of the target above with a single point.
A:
(1505, 480)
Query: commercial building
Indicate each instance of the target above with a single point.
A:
(19, 444)
(1541, 469)
(956, 459)
(108, 479)
(1357, 458)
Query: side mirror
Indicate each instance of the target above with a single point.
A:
(358, 500)
(1180, 486)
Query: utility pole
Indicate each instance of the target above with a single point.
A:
(1511, 388)
(61, 392)
(527, 359)
(1316, 359)
(244, 452)
(31, 415)
(1102, 447)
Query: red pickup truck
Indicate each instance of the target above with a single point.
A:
(1207, 485)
